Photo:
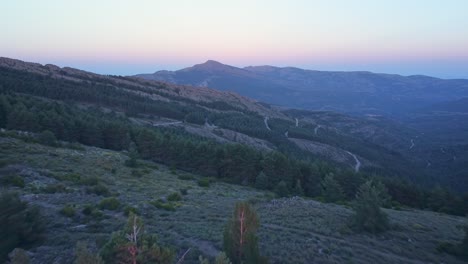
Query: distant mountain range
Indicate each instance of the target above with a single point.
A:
(348, 92)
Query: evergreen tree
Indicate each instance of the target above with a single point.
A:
(331, 190)
(368, 215)
(281, 189)
(298, 189)
(261, 182)
(240, 239)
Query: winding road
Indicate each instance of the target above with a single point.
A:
(358, 163)
(266, 122)
(317, 128)
(412, 144)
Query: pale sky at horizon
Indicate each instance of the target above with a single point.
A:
(128, 37)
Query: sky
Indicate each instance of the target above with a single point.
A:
(139, 36)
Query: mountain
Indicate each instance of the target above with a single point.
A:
(81, 151)
(370, 143)
(347, 92)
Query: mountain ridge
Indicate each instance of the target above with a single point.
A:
(361, 92)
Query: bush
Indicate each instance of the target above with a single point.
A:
(55, 188)
(99, 189)
(13, 180)
(137, 173)
(184, 191)
(165, 206)
(68, 211)
(111, 203)
(73, 177)
(128, 210)
(20, 227)
(281, 189)
(47, 138)
(174, 197)
(84, 256)
(204, 182)
(185, 177)
(90, 181)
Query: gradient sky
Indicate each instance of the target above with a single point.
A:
(127, 37)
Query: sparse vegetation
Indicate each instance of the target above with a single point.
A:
(20, 224)
(110, 203)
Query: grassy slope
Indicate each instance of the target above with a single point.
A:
(292, 230)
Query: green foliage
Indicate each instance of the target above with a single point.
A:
(204, 182)
(128, 210)
(184, 191)
(68, 211)
(331, 190)
(261, 181)
(20, 224)
(220, 259)
(240, 239)
(134, 245)
(133, 156)
(84, 256)
(160, 204)
(48, 138)
(12, 180)
(55, 188)
(282, 189)
(99, 189)
(174, 197)
(185, 177)
(459, 250)
(110, 203)
(90, 181)
(368, 215)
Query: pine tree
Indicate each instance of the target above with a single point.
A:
(298, 189)
(261, 182)
(368, 215)
(331, 190)
(240, 239)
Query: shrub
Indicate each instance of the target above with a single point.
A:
(185, 177)
(204, 182)
(99, 189)
(73, 177)
(184, 191)
(55, 188)
(137, 173)
(281, 189)
(68, 211)
(13, 180)
(84, 256)
(174, 197)
(88, 209)
(165, 206)
(90, 181)
(128, 210)
(111, 203)
(47, 138)
(459, 250)
(20, 227)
